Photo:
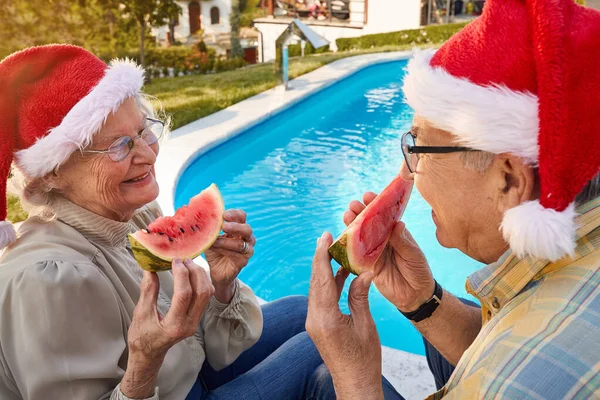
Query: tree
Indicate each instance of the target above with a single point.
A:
(234, 21)
(97, 25)
(149, 14)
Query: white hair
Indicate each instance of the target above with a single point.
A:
(480, 161)
(37, 195)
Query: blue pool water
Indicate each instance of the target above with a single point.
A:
(295, 173)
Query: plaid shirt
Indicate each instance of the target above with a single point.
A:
(541, 325)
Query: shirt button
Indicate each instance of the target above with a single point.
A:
(495, 303)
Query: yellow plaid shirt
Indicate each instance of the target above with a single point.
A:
(541, 325)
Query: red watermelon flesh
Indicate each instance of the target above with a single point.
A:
(187, 234)
(359, 247)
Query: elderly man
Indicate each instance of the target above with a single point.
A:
(505, 147)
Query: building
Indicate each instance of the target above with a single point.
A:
(334, 19)
(206, 19)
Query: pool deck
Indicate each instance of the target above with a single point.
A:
(407, 372)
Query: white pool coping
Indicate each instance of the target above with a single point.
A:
(406, 371)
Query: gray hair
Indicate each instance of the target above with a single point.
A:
(37, 195)
(480, 161)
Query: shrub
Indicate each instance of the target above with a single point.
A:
(430, 34)
(295, 50)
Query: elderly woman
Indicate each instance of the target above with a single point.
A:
(505, 149)
(79, 319)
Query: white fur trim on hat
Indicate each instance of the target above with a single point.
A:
(123, 79)
(7, 234)
(490, 118)
(531, 229)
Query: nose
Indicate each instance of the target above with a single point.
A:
(143, 153)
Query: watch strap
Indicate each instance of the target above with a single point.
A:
(428, 307)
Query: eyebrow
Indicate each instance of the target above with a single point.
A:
(111, 139)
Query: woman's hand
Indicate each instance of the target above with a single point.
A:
(151, 334)
(348, 344)
(401, 274)
(230, 253)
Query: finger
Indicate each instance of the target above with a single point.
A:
(322, 292)
(349, 216)
(368, 197)
(203, 290)
(239, 259)
(358, 298)
(231, 244)
(235, 216)
(193, 276)
(356, 206)
(340, 279)
(182, 293)
(149, 288)
(237, 229)
(405, 245)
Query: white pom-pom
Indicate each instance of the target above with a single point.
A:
(7, 234)
(531, 229)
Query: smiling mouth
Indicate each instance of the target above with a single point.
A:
(139, 178)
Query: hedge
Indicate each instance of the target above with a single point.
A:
(295, 50)
(429, 34)
(167, 61)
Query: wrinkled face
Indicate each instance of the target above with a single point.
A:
(465, 202)
(108, 188)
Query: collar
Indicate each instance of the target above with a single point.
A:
(498, 283)
(97, 229)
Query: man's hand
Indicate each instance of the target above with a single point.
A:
(402, 273)
(349, 344)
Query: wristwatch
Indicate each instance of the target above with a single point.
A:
(428, 307)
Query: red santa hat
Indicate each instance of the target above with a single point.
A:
(524, 78)
(53, 99)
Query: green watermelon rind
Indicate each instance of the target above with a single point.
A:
(153, 263)
(339, 252)
(149, 261)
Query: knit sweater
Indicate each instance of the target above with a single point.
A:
(67, 293)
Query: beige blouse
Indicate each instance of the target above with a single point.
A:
(67, 293)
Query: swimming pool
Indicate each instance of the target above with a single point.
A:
(295, 173)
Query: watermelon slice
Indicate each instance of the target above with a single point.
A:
(187, 234)
(360, 245)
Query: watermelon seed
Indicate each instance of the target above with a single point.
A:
(146, 230)
(182, 230)
(192, 228)
(170, 238)
(160, 233)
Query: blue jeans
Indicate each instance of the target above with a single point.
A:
(279, 366)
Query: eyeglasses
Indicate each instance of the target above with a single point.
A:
(120, 148)
(411, 152)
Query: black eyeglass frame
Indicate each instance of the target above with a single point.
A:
(409, 149)
(131, 141)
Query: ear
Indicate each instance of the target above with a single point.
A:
(516, 182)
(53, 180)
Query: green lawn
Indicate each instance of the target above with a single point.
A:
(191, 97)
